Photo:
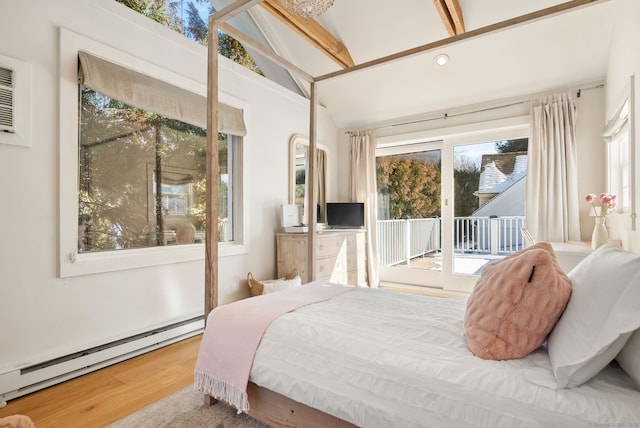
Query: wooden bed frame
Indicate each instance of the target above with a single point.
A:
(276, 410)
(279, 411)
(267, 406)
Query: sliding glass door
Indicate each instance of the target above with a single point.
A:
(446, 208)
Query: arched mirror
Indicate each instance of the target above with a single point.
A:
(298, 167)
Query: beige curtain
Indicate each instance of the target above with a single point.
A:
(363, 189)
(148, 93)
(321, 171)
(552, 201)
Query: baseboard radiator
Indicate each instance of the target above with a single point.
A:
(47, 373)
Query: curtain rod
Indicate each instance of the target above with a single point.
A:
(578, 92)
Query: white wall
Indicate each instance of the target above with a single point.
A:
(624, 61)
(591, 152)
(43, 316)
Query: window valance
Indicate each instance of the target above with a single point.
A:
(149, 93)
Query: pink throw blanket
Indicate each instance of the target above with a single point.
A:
(233, 334)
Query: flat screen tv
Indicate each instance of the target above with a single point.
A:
(345, 215)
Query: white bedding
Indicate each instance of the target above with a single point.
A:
(377, 358)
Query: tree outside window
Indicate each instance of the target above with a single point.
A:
(189, 18)
(142, 178)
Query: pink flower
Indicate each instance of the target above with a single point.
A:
(604, 202)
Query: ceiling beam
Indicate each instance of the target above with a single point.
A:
(451, 15)
(313, 32)
(502, 25)
(456, 14)
(443, 11)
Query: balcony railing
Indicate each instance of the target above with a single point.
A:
(402, 240)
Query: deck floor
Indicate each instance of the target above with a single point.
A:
(471, 263)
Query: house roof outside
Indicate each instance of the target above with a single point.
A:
(500, 171)
(510, 202)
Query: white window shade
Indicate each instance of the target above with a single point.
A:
(148, 93)
(614, 126)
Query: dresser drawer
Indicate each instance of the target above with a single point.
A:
(333, 267)
(328, 245)
(325, 268)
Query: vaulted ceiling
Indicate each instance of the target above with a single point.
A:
(555, 52)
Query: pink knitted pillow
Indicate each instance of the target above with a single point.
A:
(516, 303)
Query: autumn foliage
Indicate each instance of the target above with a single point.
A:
(408, 187)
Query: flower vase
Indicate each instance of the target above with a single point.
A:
(600, 235)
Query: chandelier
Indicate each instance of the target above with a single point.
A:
(307, 8)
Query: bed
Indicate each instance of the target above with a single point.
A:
(378, 358)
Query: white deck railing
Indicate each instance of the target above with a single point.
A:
(401, 240)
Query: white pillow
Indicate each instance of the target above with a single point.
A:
(629, 357)
(603, 311)
(281, 284)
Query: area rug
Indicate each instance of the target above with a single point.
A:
(186, 409)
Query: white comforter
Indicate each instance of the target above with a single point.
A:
(383, 359)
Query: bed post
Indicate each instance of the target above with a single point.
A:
(211, 239)
(211, 211)
(311, 178)
(213, 167)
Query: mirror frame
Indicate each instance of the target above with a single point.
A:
(293, 143)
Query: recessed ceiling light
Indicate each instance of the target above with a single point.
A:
(441, 59)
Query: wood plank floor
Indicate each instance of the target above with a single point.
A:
(100, 398)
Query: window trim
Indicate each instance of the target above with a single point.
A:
(70, 262)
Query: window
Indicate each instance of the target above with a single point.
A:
(619, 171)
(142, 178)
(132, 183)
(619, 136)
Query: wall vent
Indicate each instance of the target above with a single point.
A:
(7, 100)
